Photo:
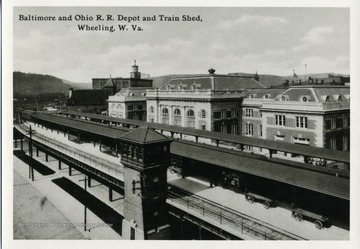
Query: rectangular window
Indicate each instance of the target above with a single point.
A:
(333, 123)
(217, 115)
(300, 140)
(260, 128)
(333, 143)
(130, 107)
(249, 129)
(339, 122)
(346, 121)
(223, 113)
(280, 120)
(301, 122)
(228, 114)
(279, 137)
(139, 107)
(234, 129)
(328, 124)
(249, 112)
(203, 127)
(234, 113)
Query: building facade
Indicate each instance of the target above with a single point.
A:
(130, 101)
(308, 115)
(207, 102)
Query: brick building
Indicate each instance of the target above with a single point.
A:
(315, 115)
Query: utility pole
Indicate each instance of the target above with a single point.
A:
(31, 168)
(84, 180)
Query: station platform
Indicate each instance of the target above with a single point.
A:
(278, 216)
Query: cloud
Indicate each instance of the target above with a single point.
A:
(300, 48)
(318, 35)
(254, 20)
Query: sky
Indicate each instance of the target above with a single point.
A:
(229, 39)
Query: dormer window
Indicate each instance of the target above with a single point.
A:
(267, 96)
(325, 98)
(284, 98)
(305, 98)
(347, 97)
(337, 97)
(180, 87)
(252, 96)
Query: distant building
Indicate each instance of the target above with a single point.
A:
(114, 85)
(207, 102)
(89, 100)
(130, 101)
(312, 115)
(330, 80)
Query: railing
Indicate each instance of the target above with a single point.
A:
(104, 165)
(228, 217)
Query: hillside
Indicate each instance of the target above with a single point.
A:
(34, 84)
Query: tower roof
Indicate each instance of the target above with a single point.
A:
(109, 82)
(144, 135)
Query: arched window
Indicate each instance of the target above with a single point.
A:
(177, 117)
(165, 116)
(190, 119)
(190, 113)
(203, 113)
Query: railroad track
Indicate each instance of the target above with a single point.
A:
(228, 217)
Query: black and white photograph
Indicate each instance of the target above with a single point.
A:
(180, 123)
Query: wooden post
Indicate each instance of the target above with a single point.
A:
(37, 152)
(59, 164)
(69, 171)
(46, 157)
(110, 194)
(21, 144)
(89, 181)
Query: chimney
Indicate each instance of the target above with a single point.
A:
(211, 71)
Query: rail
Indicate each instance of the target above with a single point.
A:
(229, 217)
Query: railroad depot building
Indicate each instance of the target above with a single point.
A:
(207, 102)
(315, 115)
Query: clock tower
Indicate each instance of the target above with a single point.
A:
(145, 155)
